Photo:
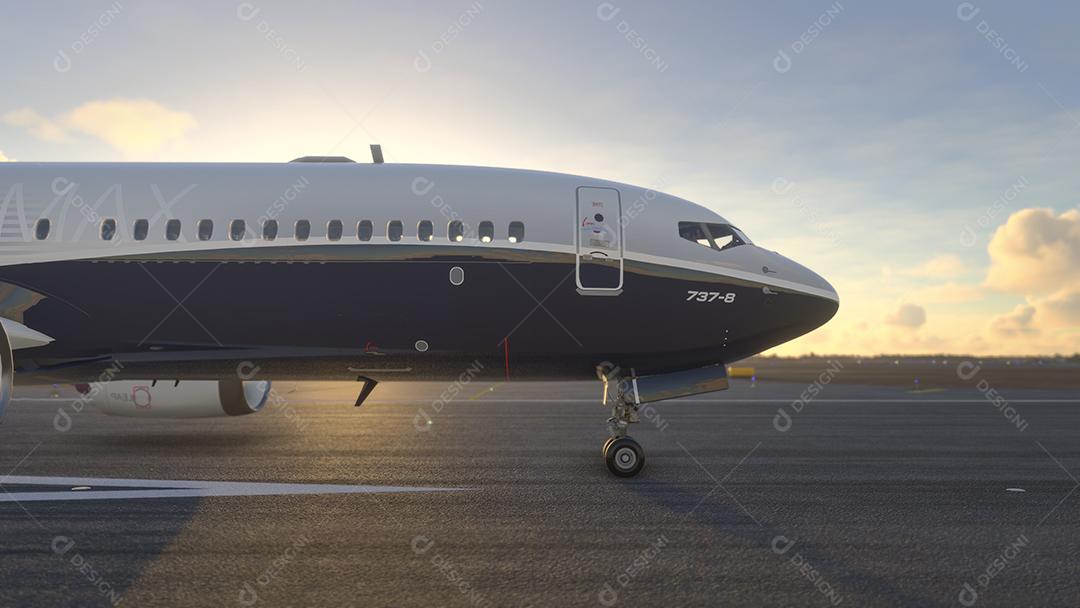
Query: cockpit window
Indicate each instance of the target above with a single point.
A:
(695, 232)
(713, 236)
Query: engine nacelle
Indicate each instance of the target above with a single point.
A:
(178, 399)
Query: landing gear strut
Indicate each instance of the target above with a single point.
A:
(626, 395)
(623, 455)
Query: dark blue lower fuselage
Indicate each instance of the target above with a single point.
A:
(365, 310)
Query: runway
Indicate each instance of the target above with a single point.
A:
(858, 496)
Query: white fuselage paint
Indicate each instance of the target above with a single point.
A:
(77, 198)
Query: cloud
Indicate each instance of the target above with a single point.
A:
(1045, 316)
(1036, 252)
(949, 293)
(940, 267)
(1019, 322)
(1061, 309)
(36, 124)
(132, 126)
(911, 316)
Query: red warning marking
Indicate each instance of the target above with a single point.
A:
(506, 352)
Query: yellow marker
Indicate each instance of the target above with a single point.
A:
(740, 372)
(486, 390)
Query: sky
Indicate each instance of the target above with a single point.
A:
(922, 156)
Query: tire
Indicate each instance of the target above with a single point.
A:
(624, 457)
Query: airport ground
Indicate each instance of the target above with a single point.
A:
(861, 495)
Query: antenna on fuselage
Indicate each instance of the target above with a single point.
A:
(376, 154)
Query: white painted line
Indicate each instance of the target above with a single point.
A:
(928, 401)
(718, 400)
(164, 488)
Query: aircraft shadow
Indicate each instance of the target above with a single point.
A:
(720, 513)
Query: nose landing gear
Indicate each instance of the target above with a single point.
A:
(623, 455)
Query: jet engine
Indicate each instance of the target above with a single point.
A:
(178, 399)
(13, 336)
(7, 370)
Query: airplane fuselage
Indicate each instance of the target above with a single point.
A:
(389, 272)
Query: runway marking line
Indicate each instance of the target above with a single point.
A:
(165, 488)
(718, 401)
(729, 400)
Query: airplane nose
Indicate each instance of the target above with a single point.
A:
(817, 299)
(777, 267)
(816, 280)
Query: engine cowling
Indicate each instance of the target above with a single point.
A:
(178, 399)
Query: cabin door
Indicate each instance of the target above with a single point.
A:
(599, 241)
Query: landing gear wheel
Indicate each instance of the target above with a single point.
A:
(624, 457)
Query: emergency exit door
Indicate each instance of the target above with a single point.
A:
(599, 241)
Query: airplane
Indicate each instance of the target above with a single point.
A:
(183, 289)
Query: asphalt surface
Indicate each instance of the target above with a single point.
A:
(872, 497)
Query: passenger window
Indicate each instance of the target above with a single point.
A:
(394, 230)
(41, 230)
(487, 232)
(172, 230)
(334, 230)
(517, 232)
(140, 230)
(456, 231)
(364, 230)
(270, 230)
(425, 230)
(303, 230)
(205, 230)
(237, 230)
(108, 229)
